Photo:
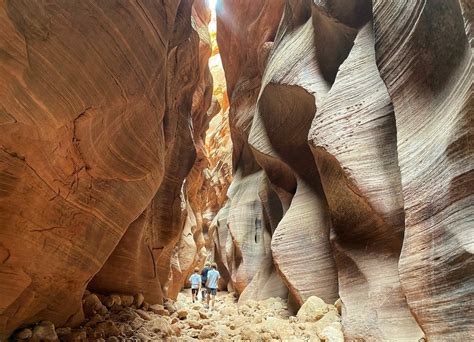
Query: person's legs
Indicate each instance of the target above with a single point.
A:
(213, 297)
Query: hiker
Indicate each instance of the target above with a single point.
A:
(211, 284)
(195, 280)
(204, 279)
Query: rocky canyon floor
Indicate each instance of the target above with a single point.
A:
(126, 318)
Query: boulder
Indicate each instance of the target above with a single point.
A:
(44, 331)
(24, 334)
(332, 333)
(312, 310)
(208, 332)
(107, 329)
(195, 324)
(138, 300)
(182, 314)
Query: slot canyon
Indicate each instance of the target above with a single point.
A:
(319, 152)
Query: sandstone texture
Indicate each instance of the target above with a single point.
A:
(361, 122)
(103, 118)
(328, 159)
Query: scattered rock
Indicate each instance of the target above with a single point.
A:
(195, 325)
(312, 310)
(107, 329)
(207, 332)
(170, 306)
(159, 309)
(75, 336)
(332, 333)
(113, 339)
(91, 305)
(249, 334)
(126, 300)
(24, 334)
(160, 325)
(138, 300)
(44, 331)
(63, 331)
(182, 314)
(329, 318)
(143, 314)
(203, 315)
(94, 320)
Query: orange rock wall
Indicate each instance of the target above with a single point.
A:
(359, 120)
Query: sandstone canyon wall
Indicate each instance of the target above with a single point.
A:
(345, 127)
(361, 121)
(104, 107)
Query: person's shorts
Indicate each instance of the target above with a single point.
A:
(212, 291)
(203, 287)
(195, 291)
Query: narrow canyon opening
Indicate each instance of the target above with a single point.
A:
(303, 167)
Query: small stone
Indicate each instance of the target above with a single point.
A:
(113, 339)
(146, 306)
(182, 314)
(170, 306)
(329, 318)
(103, 310)
(195, 325)
(203, 315)
(293, 319)
(24, 334)
(94, 320)
(143, 314)
(160, 325)
(75, 336)
(126, 300)
(249, 334)
(63, 331)
(207, 332)
(312, 310)
(91, 304)
(159, 310)
(138, 300)
(107, 329)
(44, 332)
(175, 320)
(176, 330)
(332, 333)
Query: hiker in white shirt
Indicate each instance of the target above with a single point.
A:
(195, 280)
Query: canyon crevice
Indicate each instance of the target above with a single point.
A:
(330, 155)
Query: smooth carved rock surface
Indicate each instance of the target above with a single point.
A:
(87, 125)
(429, 79)
(244, 44)
(287, 103)
(354, 144)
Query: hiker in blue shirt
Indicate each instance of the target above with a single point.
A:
(211, 284)
(204, 279)
(195, 280)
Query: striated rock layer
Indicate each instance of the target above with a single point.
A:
(379, 199)
(96, 104)
(350, 159)
(429, 79)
